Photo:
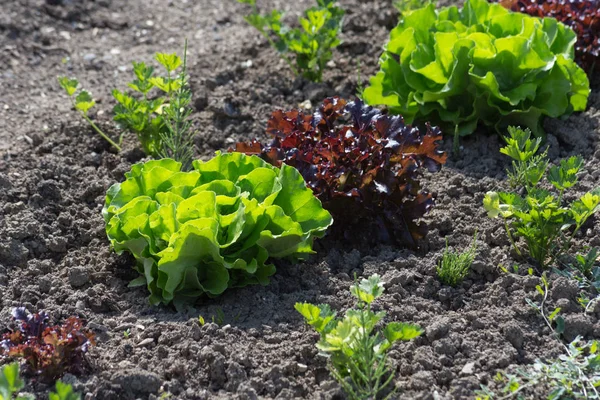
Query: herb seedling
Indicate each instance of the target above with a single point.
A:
(11, 384)
(574, 375)
(454, 266)
(357, 352)
(49, 351)
(83, 102)
(312, 44)
(539, 217)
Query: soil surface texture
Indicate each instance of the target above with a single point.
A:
(54, 254)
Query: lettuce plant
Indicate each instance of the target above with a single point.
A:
(200, 232)
(357, 351)
(481, 64)
(363, 165)
(583, 16)
(49, 351)
(312, 44)
(539, 216)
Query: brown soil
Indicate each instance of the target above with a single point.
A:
(54, 254)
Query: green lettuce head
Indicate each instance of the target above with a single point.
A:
(200, 232)
(482, 63)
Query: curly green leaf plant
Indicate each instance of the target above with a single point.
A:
(481, 64)
(200, 232)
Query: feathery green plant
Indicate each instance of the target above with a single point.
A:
(454, 266)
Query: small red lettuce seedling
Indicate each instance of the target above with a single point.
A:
(362, 164)
(49, 351)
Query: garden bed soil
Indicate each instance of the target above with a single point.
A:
(54, 255)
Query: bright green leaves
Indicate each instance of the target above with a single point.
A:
(539, 217)
(63, 392)
(199, 232)
(565, 176)
(357, 353)
(368, 289)
(69, 84)
(10, 383)
(84, 101)
(170, 61)
(311, 44)
(479, 64)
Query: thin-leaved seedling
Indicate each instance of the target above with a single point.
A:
(454, 266)
(83, 102)
(357, 352)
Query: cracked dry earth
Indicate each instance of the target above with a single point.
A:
(54, 255)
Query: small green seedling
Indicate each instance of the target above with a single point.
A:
(312, 44)
(539, 217)
(454, 266)
(83, 102)
(127, 333)
(11, 384)
(357, 352)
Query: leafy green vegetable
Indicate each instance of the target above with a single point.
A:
(479, 64)
(312, 45)
(358, 354)
(215, 227)
(539, 216)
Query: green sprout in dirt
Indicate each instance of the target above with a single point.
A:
(454, 266)
(11, 384)
(585, 270)
(83, 102)
(357, 353)
(312, 44)
(539, 216)
(161, 123)
(574, 375)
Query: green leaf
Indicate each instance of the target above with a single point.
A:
(84, 101)
(395, 331)
(10, 383)
(63, 392)
(554, 314)
(368, 289)
(170, 61)
(69, 84)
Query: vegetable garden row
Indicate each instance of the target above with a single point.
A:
(197, 229)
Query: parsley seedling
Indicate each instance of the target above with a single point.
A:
(83, 102)
(357, 353)
(311, 44)
(539, 217)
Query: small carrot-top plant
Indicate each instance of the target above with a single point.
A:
(311, 44)
(454, 267)
(362, 164)
(356, 349)
(218, 226)
(540, 216)
(49, 351)
(161, 122)
(11, 385)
